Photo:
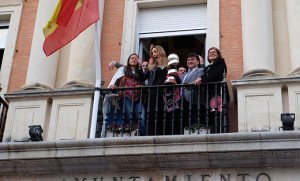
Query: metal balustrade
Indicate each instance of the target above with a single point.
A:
(206, 109)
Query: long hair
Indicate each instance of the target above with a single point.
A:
(162, 59)
(218, 52)
(128, 71)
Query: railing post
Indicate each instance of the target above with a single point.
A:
(165, 111)
(216, 110)
(148, 112)
(190, 109)
(181, 109)
(140, 113)
(115, 116)
(123, 113)
(156, 111)
(107, 116)
(173, 110)
(225, 104)
(100, 116)
(131, 113)
(198, 110)
(207, 110)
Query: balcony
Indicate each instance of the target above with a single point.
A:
(63, 114)
(167, 111)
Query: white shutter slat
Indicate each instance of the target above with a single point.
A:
(171, 19)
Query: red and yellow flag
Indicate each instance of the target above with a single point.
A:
(68, 20)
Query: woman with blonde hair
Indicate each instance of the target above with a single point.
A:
(156, 76)
(158, 57)
(158, 66)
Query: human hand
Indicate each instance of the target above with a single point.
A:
(198, 81)
(139, 60)
(113, 86)
(151, 46)
(111, 65)
(201, 60)
(175, 74)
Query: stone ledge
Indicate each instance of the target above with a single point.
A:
(260, 81)
(48, 93)
(148, 153)
(264, 80)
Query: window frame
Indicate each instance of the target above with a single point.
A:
(130, 41)
(13, 8)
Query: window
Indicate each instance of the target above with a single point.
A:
(3, 38)
(170, 23)
(10, 17)
(179, 29)
(181, 45)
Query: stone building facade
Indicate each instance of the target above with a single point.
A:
(257, 38)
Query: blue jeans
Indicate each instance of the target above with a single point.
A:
(136, 107)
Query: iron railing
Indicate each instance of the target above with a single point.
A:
(3, 108)
(206, 111)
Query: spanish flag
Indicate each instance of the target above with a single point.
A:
(68, 20)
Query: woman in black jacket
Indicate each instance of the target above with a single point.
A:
(156, 76)
(212, 73)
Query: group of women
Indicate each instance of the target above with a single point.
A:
(133, 76)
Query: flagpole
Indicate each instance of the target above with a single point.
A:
(98, 81)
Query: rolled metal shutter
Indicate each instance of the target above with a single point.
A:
(171, 20)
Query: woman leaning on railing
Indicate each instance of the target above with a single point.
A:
(213, 73)
(129, 100)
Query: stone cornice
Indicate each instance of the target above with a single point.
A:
(47, 93)
(269, 80)
(150, 153)
(10, 2)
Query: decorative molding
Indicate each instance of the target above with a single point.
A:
(10, 2)
(296, 72)
(32, 93)
(147, 153)
(78, 83)
(36, 86)
(258, 73)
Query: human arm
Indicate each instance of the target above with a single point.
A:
(177, 77)
(117, 83)
(215, 72)
(119, 73)
(202, 63)
(114, 64)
